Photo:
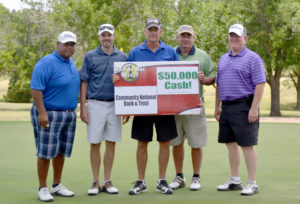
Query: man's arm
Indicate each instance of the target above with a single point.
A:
(37, 96)
(217, 106)
(258, 93)
(84, 114)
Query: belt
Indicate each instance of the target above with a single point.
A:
(70, 110)
(106, 100)
(248, 98)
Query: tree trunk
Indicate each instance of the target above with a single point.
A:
(274, 82)
(298, 94)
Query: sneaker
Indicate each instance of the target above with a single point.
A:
(44, 195)
(195, 185)
(139, 187)
(163, 187)
(178, 182)
(230, 185)
(95, 189)
(250, 189)
(60, 190)
(109, 188)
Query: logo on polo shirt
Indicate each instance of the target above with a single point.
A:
(130, 72)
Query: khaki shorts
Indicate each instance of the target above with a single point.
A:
(104, 124)
(192, 127)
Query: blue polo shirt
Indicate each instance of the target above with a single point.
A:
(97, 70)
(59, 81)
(163, 53)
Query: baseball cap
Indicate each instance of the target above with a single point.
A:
(237, 29)
(185, 29)
(67, 36)
(106, 27)
(153, 22)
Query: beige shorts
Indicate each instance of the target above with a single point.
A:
(192, 127)
(104, 124)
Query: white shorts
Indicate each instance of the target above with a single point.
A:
(192, 127)
(104, 124)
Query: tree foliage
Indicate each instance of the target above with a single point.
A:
(28, 35)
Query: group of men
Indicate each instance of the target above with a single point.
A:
(56, 84)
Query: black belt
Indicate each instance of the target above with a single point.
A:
(248, 98)
(106, 100)
(70, 110)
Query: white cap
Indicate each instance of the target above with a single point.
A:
(67, 36)
(106, 27)
(237, 29)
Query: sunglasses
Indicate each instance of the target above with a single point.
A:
(106, 27)
(153, 21)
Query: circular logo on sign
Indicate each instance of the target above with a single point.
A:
(130, 72)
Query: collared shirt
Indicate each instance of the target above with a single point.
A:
(97, 70)
(238, 75)
(143, 53)
(58, 79)
(205, 63)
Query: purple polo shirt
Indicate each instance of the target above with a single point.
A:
(238, 75)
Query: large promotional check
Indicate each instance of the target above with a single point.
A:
(157, 88)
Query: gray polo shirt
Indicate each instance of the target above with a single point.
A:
(97, 70)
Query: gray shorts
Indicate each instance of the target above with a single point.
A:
(104, 124)
(192, 127)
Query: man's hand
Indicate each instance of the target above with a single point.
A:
(125, 119)
(253, 115)
(84, 115)
(217, 114)
(115, 78)
(201, 77)
(43, 120)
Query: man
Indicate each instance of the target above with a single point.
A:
(55, 86)
(240, 85)
(153, 49)
(192, 127)
(99, 114)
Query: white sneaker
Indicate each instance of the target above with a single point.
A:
(60, 190)
(109, 188)
(44, 194)
(95, 189)
(178, 182)
(195, 185)
(230, 185)
(250, 189)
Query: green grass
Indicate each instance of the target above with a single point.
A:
(278, 169)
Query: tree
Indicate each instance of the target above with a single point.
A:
(271, 36)
(32, 39)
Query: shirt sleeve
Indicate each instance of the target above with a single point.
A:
(258, 73)
(40, 76)
(85, 70)
(209, 70)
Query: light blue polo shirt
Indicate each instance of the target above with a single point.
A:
(163, 53)
(59, 81)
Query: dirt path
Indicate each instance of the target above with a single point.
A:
(274, 120)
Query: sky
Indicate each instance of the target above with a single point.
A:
(12, 4)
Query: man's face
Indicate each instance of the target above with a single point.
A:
(153, 34)
(236, 42)
(185, 40)
(66, 50)
(106, 39)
